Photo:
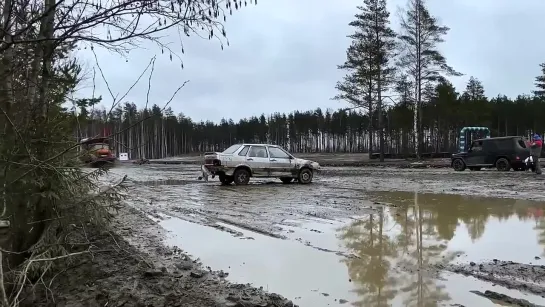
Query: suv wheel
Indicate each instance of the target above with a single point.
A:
(503, 165)
(458, 165)
(305, 175)
(241, 177)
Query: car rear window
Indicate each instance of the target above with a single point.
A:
(522, 143)
(232, 149)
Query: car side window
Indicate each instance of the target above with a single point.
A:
(258, 152)
(522, 143)
(244, 151)
(275, 152)
(477, 146)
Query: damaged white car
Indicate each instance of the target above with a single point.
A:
(240, 162)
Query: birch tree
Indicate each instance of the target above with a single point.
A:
(420, 58)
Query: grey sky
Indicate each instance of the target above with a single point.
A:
(283, 56)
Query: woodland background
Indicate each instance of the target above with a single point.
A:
(445, 111)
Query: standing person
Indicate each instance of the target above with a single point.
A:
(535, 151)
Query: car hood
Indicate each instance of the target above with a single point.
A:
(459, 155)
(315, 165)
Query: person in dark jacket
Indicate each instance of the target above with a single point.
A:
(535, 151)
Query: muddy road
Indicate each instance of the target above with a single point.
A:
(359, 236)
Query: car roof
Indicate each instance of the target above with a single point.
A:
(250, 144)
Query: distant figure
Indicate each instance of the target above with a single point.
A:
(535, 151)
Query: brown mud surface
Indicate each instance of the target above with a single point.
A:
(132, 267)
(356, 236)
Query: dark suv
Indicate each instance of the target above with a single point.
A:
(503, 153)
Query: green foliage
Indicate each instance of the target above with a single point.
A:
(540, 82)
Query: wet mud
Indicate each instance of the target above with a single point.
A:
(356, 236)
(132, 267)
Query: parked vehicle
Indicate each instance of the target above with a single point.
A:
(96, 152)
(240, 162)
(503, 153)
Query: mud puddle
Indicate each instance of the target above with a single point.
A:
(467, 245)
(402, 255)
(306, 275)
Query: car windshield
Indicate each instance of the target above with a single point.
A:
(232, 149)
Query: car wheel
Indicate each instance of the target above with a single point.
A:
(503, 165)
(241, 177)
(286, 179)
(458, 165)
(305, 175)
(475, 168)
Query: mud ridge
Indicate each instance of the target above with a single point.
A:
(499, 297)
(512, 275)
(248, 227)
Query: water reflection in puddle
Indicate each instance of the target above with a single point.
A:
(381, 259)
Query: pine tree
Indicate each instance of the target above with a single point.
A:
(420, 35)
(540, 82)
(368, 58)
(357, 85)
(474, 90)
(382, 46)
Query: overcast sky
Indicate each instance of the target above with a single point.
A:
(283, 56)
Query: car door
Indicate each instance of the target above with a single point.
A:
(281, 163)
(476, 154)
(258, 160)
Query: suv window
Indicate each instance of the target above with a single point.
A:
(477, 146)
(244, 151)
(276, 152)
(522, 143)
(505, 144)
(258, 152)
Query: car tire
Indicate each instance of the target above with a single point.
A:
(475, 168)
(503, 165)
(241, 177)
(458, 165)
(286, 180)
(305, 175)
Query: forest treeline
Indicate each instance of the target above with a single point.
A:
(156, 133)
(397, 83)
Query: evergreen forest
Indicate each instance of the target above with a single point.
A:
(398, 84)
(445, 111)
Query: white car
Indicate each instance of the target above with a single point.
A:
(241, 161)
